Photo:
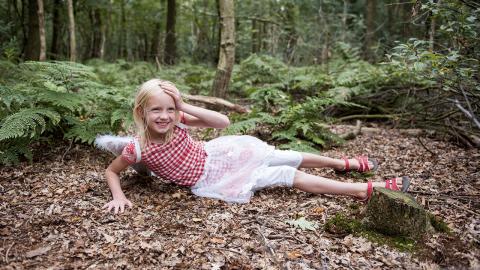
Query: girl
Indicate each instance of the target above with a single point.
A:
(230, 168)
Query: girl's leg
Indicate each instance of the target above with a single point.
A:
(320, 185)
(316, 161)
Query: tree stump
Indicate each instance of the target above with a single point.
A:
(397, 214)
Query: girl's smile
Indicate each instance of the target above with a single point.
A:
(160, 114)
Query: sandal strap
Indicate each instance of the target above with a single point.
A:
(363, 163)
(369, 189)
(394, 184)
(347, 164)
(391, 184)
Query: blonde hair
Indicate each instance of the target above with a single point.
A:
(145, 91)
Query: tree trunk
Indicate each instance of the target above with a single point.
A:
(227, 48)
(33, 39)
(97, 36)
(156, 42)
(170, 54)
(41, 31)
(71, 32)
(254, 36)
(54, 46)
(432, 28)
(344, 20)
(103, 40)
(291, 32)
(370, 31)
(123, 35)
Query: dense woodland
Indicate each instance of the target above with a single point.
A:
(408, 63)
(288, 71)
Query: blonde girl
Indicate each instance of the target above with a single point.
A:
(229, 168)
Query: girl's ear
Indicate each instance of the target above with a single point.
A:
(140, 111)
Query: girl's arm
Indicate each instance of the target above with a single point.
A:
(194, 115)
(112, 174)
(200, 117)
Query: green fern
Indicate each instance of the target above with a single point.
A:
(300, 146)
(69, 101)
(85, 131)
(28, 123)
(250, 124)
(8, 97)
(12, 151)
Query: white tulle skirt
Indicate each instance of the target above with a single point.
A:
(236, 165)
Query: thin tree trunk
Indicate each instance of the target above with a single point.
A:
(291, 32)
(227, 48)
(41, 31)
(97, 28)
(123, 36)
(370, 33)
(33, 39)
(344, 20)
(432, 28)
(71, 32)
(170, 54)
(254, 36)
(103, 39)
(56, 29)
(156, 42)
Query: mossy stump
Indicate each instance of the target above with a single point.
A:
(397, 214)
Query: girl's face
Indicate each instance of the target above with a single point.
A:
(160, 114)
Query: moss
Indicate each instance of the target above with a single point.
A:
(438, 224)
(341, 224)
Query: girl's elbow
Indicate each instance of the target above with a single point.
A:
(225, 122)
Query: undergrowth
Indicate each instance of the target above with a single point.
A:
(291, 107)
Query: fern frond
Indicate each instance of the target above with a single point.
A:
(8, 96)
(11, 152)
(27, 123)
(300, 146)
(86, 131)
(242, 127)
(248, 125)
(69, 101)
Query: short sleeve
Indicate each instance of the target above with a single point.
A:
(130, 153)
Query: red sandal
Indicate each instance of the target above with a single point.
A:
(389, 184)
(364, 165)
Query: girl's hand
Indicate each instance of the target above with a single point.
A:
(117, 205)
(172, 90)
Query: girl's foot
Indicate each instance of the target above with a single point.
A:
(359, 164)
(398, 183)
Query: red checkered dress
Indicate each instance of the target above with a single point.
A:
(180, 161)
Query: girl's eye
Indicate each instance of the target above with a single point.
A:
(171, 110)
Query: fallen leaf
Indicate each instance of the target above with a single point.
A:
(108, 238)
(293, 255)
(303, 224)
(37, 252)
(216, 240)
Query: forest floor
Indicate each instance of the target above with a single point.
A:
(51, 216)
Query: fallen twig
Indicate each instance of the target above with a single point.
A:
(66, 151)
(216, 101)
(6, 253)
(463, 208)
(286, 237)
(269, 248)
(425, 147)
